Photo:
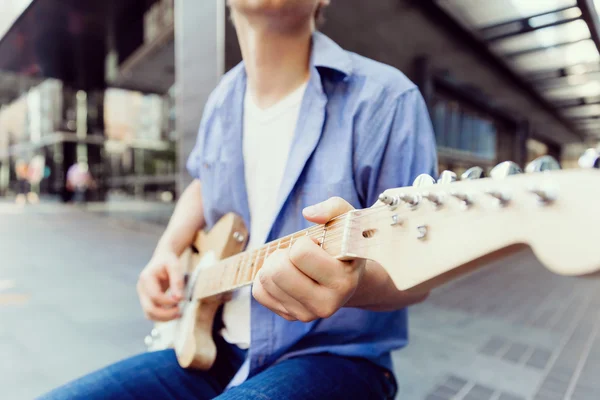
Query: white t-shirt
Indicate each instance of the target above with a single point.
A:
(268, 135)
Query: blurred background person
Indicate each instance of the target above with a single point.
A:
(79, 181)
(22, 175)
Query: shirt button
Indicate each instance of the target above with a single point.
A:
(261, 360)
(206, 165)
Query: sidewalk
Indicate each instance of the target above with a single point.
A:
(510, 331)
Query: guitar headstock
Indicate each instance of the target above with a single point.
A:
(424, 234)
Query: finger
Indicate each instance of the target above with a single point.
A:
(156, 313)
(317, 299)
(152, 289)
(264, 298)
(301, 311)
(176, 281)
(317, 264)
(323, 212)
(227, 297)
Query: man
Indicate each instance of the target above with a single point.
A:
(299, 123)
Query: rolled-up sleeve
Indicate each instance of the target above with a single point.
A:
(396, 145)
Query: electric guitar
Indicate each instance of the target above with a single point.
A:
(423, 236)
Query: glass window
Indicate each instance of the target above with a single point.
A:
(459, 128)
(439, 122)
(465, 140)
(453, 138)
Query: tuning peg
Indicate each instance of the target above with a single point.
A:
(590, 159)
(424, 180)
(472, 173)
(388, 200)
(447, 177)
(543, 163)
(505, 169)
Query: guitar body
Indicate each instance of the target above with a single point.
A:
(191, 335)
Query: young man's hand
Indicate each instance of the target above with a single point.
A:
(162, 272)
(304, 282)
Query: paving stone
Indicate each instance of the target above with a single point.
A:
(506, 396)
(539, 358)
(479, 392)
(515, 352)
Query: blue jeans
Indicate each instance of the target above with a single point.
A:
(158, 376)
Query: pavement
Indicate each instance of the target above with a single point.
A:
(510, 331)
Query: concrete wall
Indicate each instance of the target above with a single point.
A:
(199, 61)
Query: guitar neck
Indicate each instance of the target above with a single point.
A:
(426, 236)
(240, 270)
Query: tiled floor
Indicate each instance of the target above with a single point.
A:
(511, 331)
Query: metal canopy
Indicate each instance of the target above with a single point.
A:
(553, 44)
(65, 39)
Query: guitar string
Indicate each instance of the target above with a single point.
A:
(334, 235)
(245, 267)
(330, 244)
(331, 236)
(211, 292)
(331, 240)
(315, 232)
(246, 261)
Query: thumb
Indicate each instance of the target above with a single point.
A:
(323, 212)
(175, 271)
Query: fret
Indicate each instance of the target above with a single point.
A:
(232, 272)
(236, 279)
(264, 256)
(243, 261)
(221, 276)
(225, 275)
(253, 265)
(249, 263)
(241, 269)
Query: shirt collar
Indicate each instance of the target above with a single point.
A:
(328, 54)
(325, 54)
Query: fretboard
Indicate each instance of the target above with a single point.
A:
(240, 270)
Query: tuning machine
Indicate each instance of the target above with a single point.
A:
(447, 177)
(543, 163)
(505, 169)
(412, 200)
(423, 180)
(472, 173)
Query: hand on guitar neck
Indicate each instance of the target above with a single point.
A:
(304, 282)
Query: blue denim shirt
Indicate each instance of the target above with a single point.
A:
(363, 128)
